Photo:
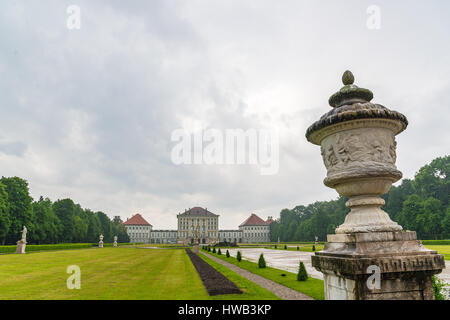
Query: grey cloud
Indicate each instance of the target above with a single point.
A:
(95, 108)
(13, 148)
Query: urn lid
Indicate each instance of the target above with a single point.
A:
(352, 103)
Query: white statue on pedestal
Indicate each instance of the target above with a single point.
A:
(21, 244)
(100, 244)
(24, 234)
(115, 241)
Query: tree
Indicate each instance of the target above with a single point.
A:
(445, 224)
(5, 221)
(238, 256)
(411, 209)
(219, 252)
(228, 254)
(65, 211)
(47, 226)
(302, 275)
(261, 262)
(105, 223)
(20, 210)
(95, 229)
(433, 180)
(121, 232)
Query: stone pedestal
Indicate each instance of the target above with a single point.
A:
(370, 256)
(100, 244)
(115, 244)
(195, 248)
(405, 266)
(21, 245)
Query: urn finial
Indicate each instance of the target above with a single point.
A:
(350, 93)
(348, 78)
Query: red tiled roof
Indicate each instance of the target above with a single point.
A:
(269, 220)
(137, 219)
(254, 220)
(197, 211)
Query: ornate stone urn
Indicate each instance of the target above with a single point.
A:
(358, 147)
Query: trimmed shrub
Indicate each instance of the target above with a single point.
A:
(239, 256)
(261, 262)
(314, 248)
(214, 250)
(209, 249)
(298, 248)
(436, 242)
(219, 252)
(285, 247)
(276, 247)
(228, 254)
(302, 274)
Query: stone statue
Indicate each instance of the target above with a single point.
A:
(316, 242)
(24, 233)
(358, 148)
(100, 244)
(22, 243)
(115, 241)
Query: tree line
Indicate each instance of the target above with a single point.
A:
(49, 222)
(419, 204)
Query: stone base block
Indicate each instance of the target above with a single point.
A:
(195, 248)
(115, 244)
(21, 245)
(397, 261)
(100, 244)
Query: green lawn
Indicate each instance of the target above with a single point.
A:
(442, 249)
(109, 273)
(312, 287)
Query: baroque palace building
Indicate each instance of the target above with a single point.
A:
(202, 222)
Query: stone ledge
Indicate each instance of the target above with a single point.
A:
(351, 267)
(372, 236)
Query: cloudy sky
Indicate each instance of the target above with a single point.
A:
(88, 113)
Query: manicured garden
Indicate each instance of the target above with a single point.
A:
(113, 273)
(311, 287)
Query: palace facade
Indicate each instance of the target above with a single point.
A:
(202, 222)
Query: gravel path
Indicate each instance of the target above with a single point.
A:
(279, 290)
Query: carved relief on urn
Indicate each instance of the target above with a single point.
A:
(358, 148)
